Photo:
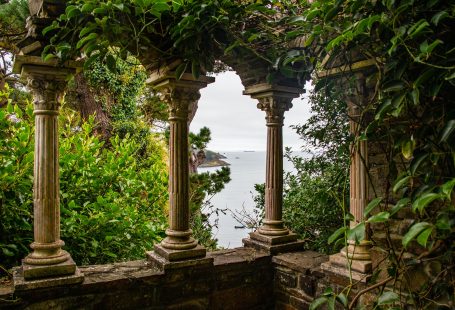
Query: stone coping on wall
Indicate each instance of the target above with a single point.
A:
(239, 279)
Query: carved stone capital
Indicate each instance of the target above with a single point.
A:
(47, 94)
(274, 108)
(181, 101)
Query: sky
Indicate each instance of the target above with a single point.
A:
(234, 120)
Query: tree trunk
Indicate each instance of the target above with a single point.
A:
(83, 100)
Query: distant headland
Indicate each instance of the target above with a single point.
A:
(213, 159)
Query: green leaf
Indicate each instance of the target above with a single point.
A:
(180, 70)
(407, 148)
(87, 7)
(393, 86)
(357, 233)
(417, 28)
(337, 234)
(413, 232)
(399, 205)
(438, 17)
(331, 13)
(415, 96)
(387, 298)
(416, 162)
(421, 202)
(447, 131)
(400, 183)
(7, 252)
(423, 236)
(447, 188)
(318, 302)
(373, 204)
(86, 30)
(381, 217)
(342, 299)
(85, 39)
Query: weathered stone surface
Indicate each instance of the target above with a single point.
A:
(301, 261)
(240, 279)
(21, 284)
(274, 249)
(286, 278)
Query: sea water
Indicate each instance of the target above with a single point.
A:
(247, 169)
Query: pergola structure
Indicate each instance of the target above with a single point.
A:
(48, 265)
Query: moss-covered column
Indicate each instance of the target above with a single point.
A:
(272, 235)
(48, 259)
(181, 96)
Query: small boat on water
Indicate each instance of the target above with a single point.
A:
(239, 227)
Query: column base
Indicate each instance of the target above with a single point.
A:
(340, 264)
(164, 259)
(32, 272)
(273, 244)
(23, 284)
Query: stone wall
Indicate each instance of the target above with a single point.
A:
(239, 279)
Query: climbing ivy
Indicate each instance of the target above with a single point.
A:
(411, 111)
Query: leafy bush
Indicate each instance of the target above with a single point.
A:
(113, 200)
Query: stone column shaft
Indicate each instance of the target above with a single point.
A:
(47, 259)
(179, 233)
(275, 108)
(182, 97)
(272, 236)
(358, 192)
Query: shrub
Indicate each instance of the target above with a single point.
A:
(113, 200)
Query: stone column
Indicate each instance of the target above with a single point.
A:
(356, 257)
(181, 96)
(358, 193)
(47, 259)
(272, 236)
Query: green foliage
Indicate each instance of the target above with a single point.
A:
(411, 112)
(156, 31)
(117, 89)
(314, 198)
(113, 200)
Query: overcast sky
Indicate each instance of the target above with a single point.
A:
(235, 121)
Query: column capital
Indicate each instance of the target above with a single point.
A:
(273, 99)
(274, 107)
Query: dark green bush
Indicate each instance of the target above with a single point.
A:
(113, 200)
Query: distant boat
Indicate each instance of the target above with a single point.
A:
(239, 227)
(249, 151)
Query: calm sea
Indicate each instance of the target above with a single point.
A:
(247, 169)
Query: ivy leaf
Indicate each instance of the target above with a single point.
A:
(407, 148)
(416, 162)
(357, 233)
(180, 70)
(399, 205)
(423, 236)
(337, 234)
(373, 204)
(381, 217)
(387, 298)
(438, 17)
(318, 302)
(413, 232)
(421, 202)
(342, 299)
(417, 28)
(447, 131)
(84, 40)
(447, 188)
(400, 183)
